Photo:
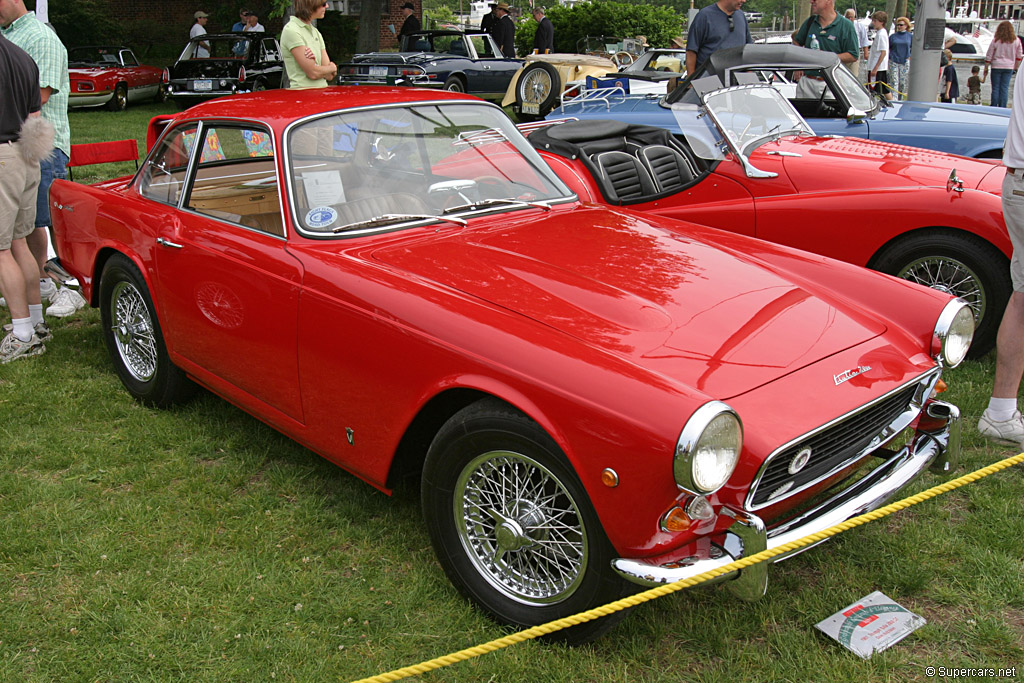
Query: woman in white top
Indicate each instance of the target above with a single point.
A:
(878, 56)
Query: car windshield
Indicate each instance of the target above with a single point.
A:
(744, 117)
(369, 170)
(93, 55)
(855, 92)
(220, 47)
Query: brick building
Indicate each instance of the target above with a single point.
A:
(176, 16)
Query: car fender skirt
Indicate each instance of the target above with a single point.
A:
(935, 448)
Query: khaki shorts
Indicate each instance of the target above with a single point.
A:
(1013, 215)
(19, 184)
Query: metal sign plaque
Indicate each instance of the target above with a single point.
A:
(934, 34)
(872, 624)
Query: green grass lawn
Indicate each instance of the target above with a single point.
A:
(199, 544)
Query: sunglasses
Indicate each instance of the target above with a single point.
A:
(731, 24)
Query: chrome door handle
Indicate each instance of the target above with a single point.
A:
(167, 243)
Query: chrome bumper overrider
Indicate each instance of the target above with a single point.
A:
(748, 535)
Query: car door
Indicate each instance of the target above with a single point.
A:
(493, 71)
(228, 289)
(135, 77)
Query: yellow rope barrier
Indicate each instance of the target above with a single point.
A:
(645, 596)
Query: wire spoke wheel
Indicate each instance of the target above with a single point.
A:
(536, 87)
(132, 327)
(949, 275)
(520, 527)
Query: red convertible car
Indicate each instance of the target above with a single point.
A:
(592, 398)
(748, 162)
(112, 76)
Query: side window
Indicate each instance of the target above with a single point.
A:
(163, 175)
(482, 47)
(236, 180)
(270, 48)
(128, 58)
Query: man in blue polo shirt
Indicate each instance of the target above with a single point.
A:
(826, 30)
(719, 25)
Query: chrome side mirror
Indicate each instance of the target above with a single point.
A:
(855, 115)
(953, 183)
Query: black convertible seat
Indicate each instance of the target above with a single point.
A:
(667, 167)
(624, 175)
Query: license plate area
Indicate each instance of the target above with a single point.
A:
(204, 84)
(530, 108)
(378, 71)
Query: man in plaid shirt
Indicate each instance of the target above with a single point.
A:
(22, 28)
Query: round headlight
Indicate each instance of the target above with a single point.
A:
(708, 448)
(955, 330)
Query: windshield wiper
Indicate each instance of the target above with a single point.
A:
(394, 218)
(497, 202)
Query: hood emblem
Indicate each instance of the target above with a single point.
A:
(800, 460)
(847, 375)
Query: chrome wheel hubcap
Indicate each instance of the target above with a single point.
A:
(951, 276)
(537, 87)
(133, 331)
(520, 528)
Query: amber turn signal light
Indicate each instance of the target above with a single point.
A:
(676, 519)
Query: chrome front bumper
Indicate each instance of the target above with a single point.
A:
(748, 535)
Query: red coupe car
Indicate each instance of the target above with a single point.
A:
(751, 164)
(112, 76)
(592, 398)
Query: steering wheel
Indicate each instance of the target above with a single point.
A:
(623, 58)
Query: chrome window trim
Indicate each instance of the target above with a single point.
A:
(925, 384)
(285, 169)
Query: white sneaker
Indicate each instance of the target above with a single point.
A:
(42, 331)
(12, 348)
(47, 290)
(66, 302)
(1010, 432)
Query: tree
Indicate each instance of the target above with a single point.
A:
(602, 18)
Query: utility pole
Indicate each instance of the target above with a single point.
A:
(925, 51)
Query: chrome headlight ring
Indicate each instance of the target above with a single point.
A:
(708, 448)
(954, 330)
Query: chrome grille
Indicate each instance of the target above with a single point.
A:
(839, 444)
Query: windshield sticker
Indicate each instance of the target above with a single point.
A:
(321, 217)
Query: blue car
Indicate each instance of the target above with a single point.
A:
(459, 61)
(832, 100)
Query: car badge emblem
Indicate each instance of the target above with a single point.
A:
(847, 375)
(800, 460)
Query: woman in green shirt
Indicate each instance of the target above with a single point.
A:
(305, 54)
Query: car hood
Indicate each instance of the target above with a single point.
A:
(696, 306)
(871, 164)
(207, 68)
(962, 115)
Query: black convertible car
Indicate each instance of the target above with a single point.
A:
(226, 64)
(452, 60)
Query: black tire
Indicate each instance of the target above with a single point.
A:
(538, 85)
(494, 549)
(454, 84)
(163, 93)
(119, 102)
(959, 263)
(259, 85)
(134, 341)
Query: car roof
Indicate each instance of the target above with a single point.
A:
(280, 107)
(771, 53)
